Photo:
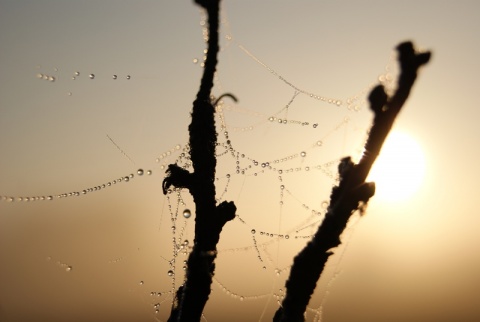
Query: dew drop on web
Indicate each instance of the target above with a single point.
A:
(92, 76)
(187, 213)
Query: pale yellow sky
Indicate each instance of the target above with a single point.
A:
(415, 260)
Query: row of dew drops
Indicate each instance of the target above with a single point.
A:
(127, 178)
(139, 173)
(75, 75)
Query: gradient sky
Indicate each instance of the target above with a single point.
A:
(415, 260)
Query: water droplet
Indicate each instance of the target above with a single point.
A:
(149, 172)
(324, 204)
(187, 213)
(114, 76)
(319, 143)
(40, 76)
(195, 60)
(69, 93)
(68, 268)
(241, 298)
(253, 231)
(140, 172)
(170, 273)
(303, 154)
(287, 236)
(128, 77)
(51, 78)
(77, 73)
(126, 179)
(282, 187)
(140, 283)
(315, 125)
(228, 176)
(92, 76)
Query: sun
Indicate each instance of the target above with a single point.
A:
(399, 170)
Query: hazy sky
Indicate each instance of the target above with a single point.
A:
(104, 256)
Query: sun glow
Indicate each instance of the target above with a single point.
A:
(400, 168)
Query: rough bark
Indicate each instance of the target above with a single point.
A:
(209, 217)
(352, 191)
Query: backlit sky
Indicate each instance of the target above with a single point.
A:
(415, 260)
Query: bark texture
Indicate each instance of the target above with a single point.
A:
(209, 217)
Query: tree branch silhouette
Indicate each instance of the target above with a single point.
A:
(352, 192)
(209, 217)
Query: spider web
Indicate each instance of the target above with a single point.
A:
(278, 150)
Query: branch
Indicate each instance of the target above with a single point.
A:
(209, 217)
(352, 191)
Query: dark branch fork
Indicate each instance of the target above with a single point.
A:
(351, 193)
(209, 217)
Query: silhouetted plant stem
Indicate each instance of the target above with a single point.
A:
(209, 218)
(351, 193)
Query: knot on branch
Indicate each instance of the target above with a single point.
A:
(225, 212)
(177, 177)
(344, 167)
(378, 99)
(359, 193)
(409, 59)
(363, 194)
